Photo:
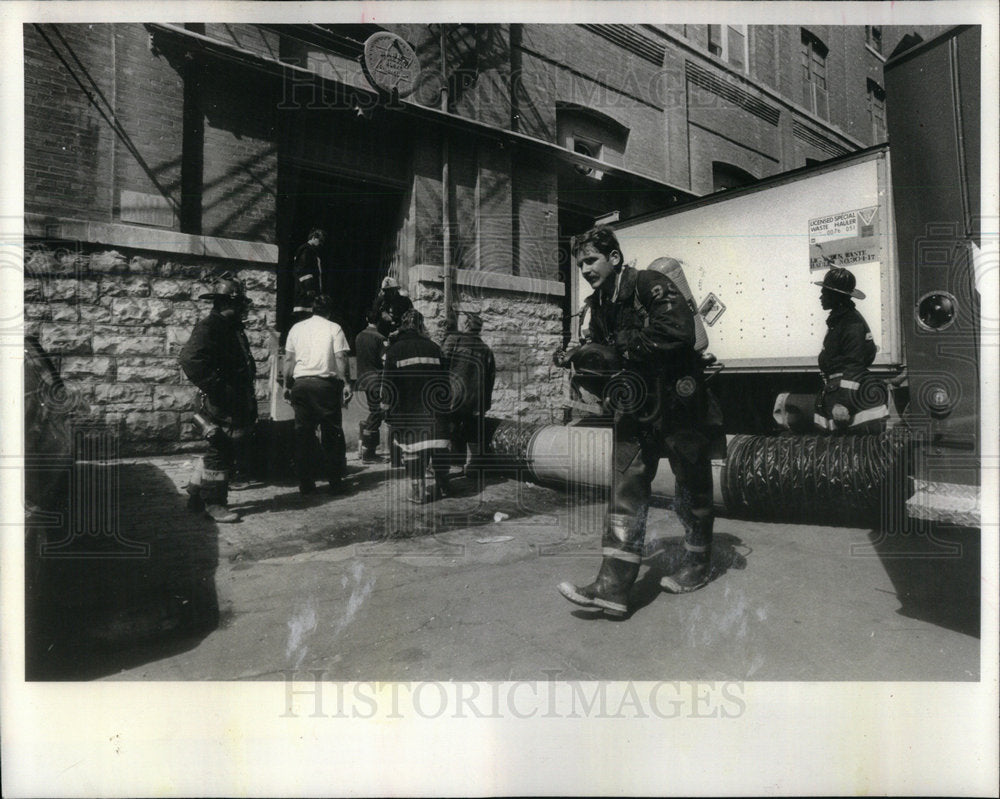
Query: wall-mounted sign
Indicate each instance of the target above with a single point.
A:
(844, 239)
(390, 64)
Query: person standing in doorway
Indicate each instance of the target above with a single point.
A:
(317, 384)
(308, 271)
(852, 400)
(369, 347)
(472, 372)
(217, 359)
(660, 408)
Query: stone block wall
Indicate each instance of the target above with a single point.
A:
(523, 329)
(114, 321)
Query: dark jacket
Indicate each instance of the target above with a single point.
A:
(848, 347)
(649, 323)
(217, 359)
(651, 326)
(848, 351)
(391, 302)
(415, 383)
(308, 276)
(471, 371)
(369, 347)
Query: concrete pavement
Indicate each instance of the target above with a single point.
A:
(364, 586)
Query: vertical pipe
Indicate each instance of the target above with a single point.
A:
(445, 188)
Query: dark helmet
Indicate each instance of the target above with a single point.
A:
(227, 288)
(593, 367)
(842, 281)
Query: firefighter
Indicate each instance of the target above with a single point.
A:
(217, 359)
(308, 275)
(852, 400)
(390, 305)
(660, 407)
(415, 396)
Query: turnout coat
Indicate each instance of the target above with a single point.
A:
(650, 324)
(217, 359)
(416, 394)
(848, 351)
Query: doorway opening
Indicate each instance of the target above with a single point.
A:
(361, 219)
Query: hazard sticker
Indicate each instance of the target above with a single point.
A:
(711, 309)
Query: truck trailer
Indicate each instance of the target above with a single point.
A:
(903, 217)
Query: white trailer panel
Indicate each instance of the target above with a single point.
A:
(758, 251)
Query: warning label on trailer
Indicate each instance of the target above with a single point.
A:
(844, 239)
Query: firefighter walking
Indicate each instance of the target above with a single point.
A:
(661, 407)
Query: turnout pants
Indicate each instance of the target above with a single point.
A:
(210, 479)
(319, 401)
(637, 450)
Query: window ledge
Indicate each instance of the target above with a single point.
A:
(474, 278)
(145, 238)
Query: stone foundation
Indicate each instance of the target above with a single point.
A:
(523, 328)
(114, 321)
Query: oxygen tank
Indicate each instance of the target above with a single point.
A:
(671, 267)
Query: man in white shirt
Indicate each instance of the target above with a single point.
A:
(317, 382)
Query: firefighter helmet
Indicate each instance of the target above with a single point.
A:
(227, 288)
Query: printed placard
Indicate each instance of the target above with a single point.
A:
(844, 239)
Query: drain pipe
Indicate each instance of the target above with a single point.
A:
(445, 189)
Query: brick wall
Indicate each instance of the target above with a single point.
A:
(115, 321)
(149, 101)
(240, 156)
(67, 157)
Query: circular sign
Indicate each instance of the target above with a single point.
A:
(390, 64)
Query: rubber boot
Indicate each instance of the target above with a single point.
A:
(609, 591)
(195, 503)
(696, 566)
(215, 495)
(368, 444)
(418, 492)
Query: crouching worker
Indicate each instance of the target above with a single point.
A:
(416, 397)
(217, 359)
(660, 408)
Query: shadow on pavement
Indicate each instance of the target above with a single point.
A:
(935, 572)
(126, 577)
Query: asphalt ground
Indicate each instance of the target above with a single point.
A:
(364, 585)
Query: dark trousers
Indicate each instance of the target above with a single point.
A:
(319, 401)
(467, 432)
(371, 426)
(636, 452)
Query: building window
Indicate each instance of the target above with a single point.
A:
(873, 37)
(729, 42)
(814, 74)
(876, 110)
(728, 176)
(588, 147)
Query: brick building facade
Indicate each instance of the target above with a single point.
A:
(158, 156)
